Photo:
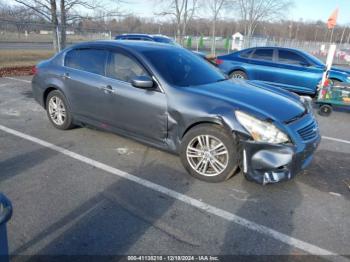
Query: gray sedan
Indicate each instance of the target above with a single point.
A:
(170, 98)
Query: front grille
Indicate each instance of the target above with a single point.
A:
(309, 131)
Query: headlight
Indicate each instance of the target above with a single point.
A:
(307, 101)
(261, 131)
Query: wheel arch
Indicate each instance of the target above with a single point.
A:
(218, 121)
(238, 69)
(51, 88)
(47, 92)
(336, 79)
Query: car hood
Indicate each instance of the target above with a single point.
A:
(255, 97)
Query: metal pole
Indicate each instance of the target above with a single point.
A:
(342, 36)
(58, 39)
(316, 34)
(329, 63)
(330, 42)
(198, 39)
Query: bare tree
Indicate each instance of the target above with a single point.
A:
(11, 12)
(46, 9)
(252, 12)
(182, 11)
(60, 12)
(215, 7)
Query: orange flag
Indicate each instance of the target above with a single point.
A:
(332, 20)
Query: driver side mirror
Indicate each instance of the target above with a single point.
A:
(143, 82)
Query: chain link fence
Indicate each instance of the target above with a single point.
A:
(24, 35)
(24, 32)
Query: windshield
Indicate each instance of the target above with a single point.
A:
(180, 67)
(314, 59)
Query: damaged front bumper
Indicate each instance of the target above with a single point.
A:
(271, 163)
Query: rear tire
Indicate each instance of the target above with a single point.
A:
(58, 111)
(238, 74)
(209, 153)
(325, 110)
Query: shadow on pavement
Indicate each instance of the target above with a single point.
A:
(329, 172)
(113, 222)
(18, 164)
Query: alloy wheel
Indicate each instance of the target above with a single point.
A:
(237, 76)
(207, 155)
(57, 110)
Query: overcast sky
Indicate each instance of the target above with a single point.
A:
(308, 10)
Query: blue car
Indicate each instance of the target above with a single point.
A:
(146, 37)
(291, 69)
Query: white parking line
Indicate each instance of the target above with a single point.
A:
(336, 139)
(289, 240)
(17, 79)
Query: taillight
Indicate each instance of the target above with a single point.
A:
(34, 70)
(219, 61)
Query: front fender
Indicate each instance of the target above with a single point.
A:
(219, 116)
(342, 77)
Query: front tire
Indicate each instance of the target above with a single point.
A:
(58, 111)
(209, 153)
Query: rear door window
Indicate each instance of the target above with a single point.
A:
(263, 54)
(89, 60)
(245, 54)
(291, 58)
(124, 68)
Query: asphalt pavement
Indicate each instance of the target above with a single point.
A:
(89, 192)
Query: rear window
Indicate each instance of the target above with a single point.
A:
(263, 54)
(89, 60)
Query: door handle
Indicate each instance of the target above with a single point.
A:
(66, 76)
(108, 89)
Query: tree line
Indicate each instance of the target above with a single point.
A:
(175, 18)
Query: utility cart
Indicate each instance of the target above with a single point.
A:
(333, 95)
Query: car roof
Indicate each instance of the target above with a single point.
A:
(142, 35)
(131, 45)
(273, 47)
